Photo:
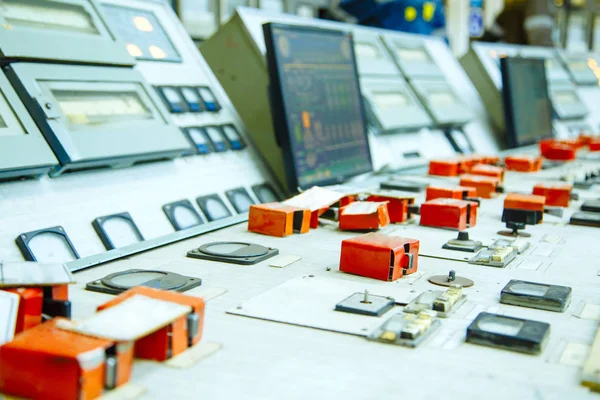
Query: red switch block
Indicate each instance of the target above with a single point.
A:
(523, 163)
(449, 213)
(363, 215)
(397, 205)
(176, 337)
(451, 192)
(378, 256)
(556, 194)
(486, 186)
(488, 170)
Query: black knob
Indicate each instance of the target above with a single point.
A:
(463, 236)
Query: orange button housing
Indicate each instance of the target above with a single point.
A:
(486, 186)
(378, 256)
(171, 340)
(397, 206)
(488, 170)
(558, 150)
(374, 215)
(31, 301)
(444, 167)
(449, 213)
(277, 219)
(451, 192)
(523, 163)
(556, 194)
(530, 202)
(46, 362)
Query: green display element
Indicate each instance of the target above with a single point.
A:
(322, 105)
(94, 108)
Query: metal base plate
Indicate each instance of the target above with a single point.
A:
(374, 306)
(514, 233)
(124, 280)
(442, 280)
(469, 246)
(233, 252)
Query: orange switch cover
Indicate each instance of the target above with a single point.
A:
(556, 194)
(450, 192)
(488, 170)
(46, 362)
(558, 150)
(491, 160)
(378, 256)
(30, 307)
(449, 213)
(530, 202)
(486, 186)
(397, 204)
(594, 144)
(277, 219)
(173, 339)
(444, 167)
(363, 215)
(523, 163)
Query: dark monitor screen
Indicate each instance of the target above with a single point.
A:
(316, 104)
(527, 105)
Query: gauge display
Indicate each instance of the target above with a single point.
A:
(441, 98)
(145, 37)
(413, 55)
(93, 108)
(390, 101)
(367, 50)
(44, 14)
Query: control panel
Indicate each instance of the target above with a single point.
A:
(402, 128)
(570, 102)
(94, 115)
(31, 28)
(401, 247)
(23, 150)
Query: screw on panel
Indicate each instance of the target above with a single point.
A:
(48, 106)
(452, 275)
(365, 299)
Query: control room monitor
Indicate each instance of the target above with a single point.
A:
(316, 104)
(527, 105)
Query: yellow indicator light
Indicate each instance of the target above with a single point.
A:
(143, 24)
(157, 52)
(134, 50)
(306, 119)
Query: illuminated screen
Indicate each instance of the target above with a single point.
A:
(93, 108)
(578, 65)
(317, 104)
(140, 30)
(527, 106)
(441, 99)
(565, 98)
(366, 50)
(46, 14)
(390, 101)
(413, 55)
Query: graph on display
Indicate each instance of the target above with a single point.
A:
(323, 105)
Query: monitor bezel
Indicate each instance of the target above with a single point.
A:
(512, 139)
(279, 109)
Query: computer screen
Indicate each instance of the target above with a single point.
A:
(317, 106)
(527, 105)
